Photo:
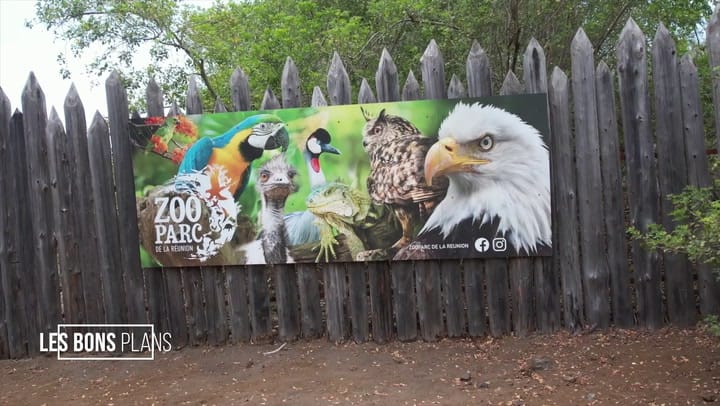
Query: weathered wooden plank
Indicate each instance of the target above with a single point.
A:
(478, 71)
(697, 171)
(154, 99)
(357, 302)
(640, 164)
(547, 303)
(193, 101)
(259, 299)
(6, 308)
(106, 222)
(596, 278)
(429, 299)
(286, 295)
(521, 272)
(240, 90)
(237, 292)
(432, 69)
(290, 85)
(474, 279)
(496, 280)
(387, 81)
(197, 319)
(511, 84)
(269, 101)
(365, 94)
(451, 277)
(411, 89)
(456, 90)
(672, 171)
(82, 200)
(38, 160)
(334, 283)
(338, 82)
(381, 315)
(156, 299)
(310, 311)
(125, 194)
(66, 233)
(565, 227)
(713, 46)
(317, 98)
(219, 106)
(177, 318)
(214, 289)
(614, 203)
(403, 286)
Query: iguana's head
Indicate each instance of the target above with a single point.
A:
(340, 200)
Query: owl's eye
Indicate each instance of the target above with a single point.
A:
(377, 130)
(486, 143)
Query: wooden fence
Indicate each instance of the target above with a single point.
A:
(69, 249)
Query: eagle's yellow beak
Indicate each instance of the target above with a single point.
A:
(444, 157)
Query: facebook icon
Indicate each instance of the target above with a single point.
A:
(482, 244)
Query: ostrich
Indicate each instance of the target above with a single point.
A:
(275, 182)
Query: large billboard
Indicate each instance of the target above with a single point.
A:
(427, 179)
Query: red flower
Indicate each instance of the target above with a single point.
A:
(178, 154)
(156, 120)
(160, 147)
(186, 126)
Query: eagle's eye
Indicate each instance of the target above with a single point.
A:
(486, 143)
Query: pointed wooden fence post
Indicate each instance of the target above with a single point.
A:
(40, 177)
(365, 94)
(672, 171)
(614, 204)
(269, 101)
(713, 46)
(456, 90)
(640, 164)
(478, 71)
(129, 247)
(432, 67)
(565, 234)
(291, 85)
(697, 171)
(411, 89)
(547, 304)
(596, 278)
(387, 83)
(240, 90)
(154, 99)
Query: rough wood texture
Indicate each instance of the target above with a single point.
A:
(474, 279)
(259, 299)
(129, 244)
(288, 306)
(521, 272)
(338, 82)
(641, 175)
(697, 171)
(672, 171)
(456, 90)
(547, 304)
(177, 318)
(310, 311)
(432, 68)
(496, 280)
(566, 252)
(6, 323)
(290, 85)
(197, 320)
(219, 106)
(387, 81)
(411, 89)
(429, 300)
(511, 85)
(596, 279)
(193, 101)
(318, 99)
(269, 101)
(614, 203)
(106, 226)
(452, 297)
(358, 301)
(713, 46)
(237, 297)
(40, 176)
(240, 90)
(214, 289)
(66, 225)
(154, 98)
(479, 73)
(381, 300)
(365, 94)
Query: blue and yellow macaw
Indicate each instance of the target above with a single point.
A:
(234, 150)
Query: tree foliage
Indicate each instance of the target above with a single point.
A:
(213, 40)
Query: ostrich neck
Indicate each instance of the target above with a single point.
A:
(274, 235)
(316, 178)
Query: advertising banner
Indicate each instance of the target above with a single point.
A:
(427, 179)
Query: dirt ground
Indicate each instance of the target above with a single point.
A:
(669, 367)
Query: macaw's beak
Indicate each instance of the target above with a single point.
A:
(445, 156)
(278, 138)
(329, 148)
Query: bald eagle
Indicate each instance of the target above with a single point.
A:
(499, 188)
